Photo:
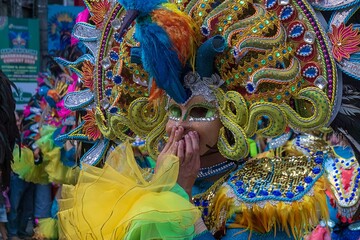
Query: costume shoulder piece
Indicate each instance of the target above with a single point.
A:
(343, 174)
(265, 193)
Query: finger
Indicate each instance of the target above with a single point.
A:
(180, 151)
(170, 140)
(195, 141)
(179, 133)
(173, 148)
(188, 149)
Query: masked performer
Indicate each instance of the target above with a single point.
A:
(214, 69)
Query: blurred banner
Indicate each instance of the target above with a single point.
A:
(19, 55)
(61, 20)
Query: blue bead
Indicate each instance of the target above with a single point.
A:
(316, 170)
(263, 193)
(250, 87)
(308, 179)
(109, 74)
(118, 38)
(108, 92)
(270, 3)
(114, 56)
(196, 202)
(336, 160)
(239, 183)
(319, 160)
(240, 190)
(270, 58)
(351, 198)
(300, 188)
(117, 79)
(333, 165)
(305, 50)
(205, 211)
(310, 72)
(319, 153)
(205, 203)
(113, 110)
(341, 198)
(296, 31)
(289, 195)
(205, 31)
(276, 193)
(286, 13)
(251, 195)
(233, 178)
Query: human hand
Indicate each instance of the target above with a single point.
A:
(170, 147)
(189, 157)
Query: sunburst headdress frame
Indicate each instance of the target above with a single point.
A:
(276, 62)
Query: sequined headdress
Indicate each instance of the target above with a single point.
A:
(275, 59)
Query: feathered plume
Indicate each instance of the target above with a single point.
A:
(167, 40)
(9, 132)
(347, 120)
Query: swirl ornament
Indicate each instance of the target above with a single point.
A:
(233, 113)
(320, 113)
(277, 120)
(154, 138)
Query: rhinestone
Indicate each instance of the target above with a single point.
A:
(116, 23)
(106, 63)
(283, 2)
(320, 82)
(309, 37)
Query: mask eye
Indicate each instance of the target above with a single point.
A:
(175, 111)
(202, 112)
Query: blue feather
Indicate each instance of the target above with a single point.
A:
(143, 6)
(160, 59)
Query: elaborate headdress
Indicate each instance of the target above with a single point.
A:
(274, 59)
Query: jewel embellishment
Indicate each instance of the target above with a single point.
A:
(296, 31)
(305, 50)
(283, 2)
(286, 12)
(270, 3)
(310, 72)
(309, 37)
(116, 23)
(320, 82)
(106, 63)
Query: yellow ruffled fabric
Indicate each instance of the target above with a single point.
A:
(46, 229)
(25, 167)
(296, 219)
(119, 202)
(57, 171)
